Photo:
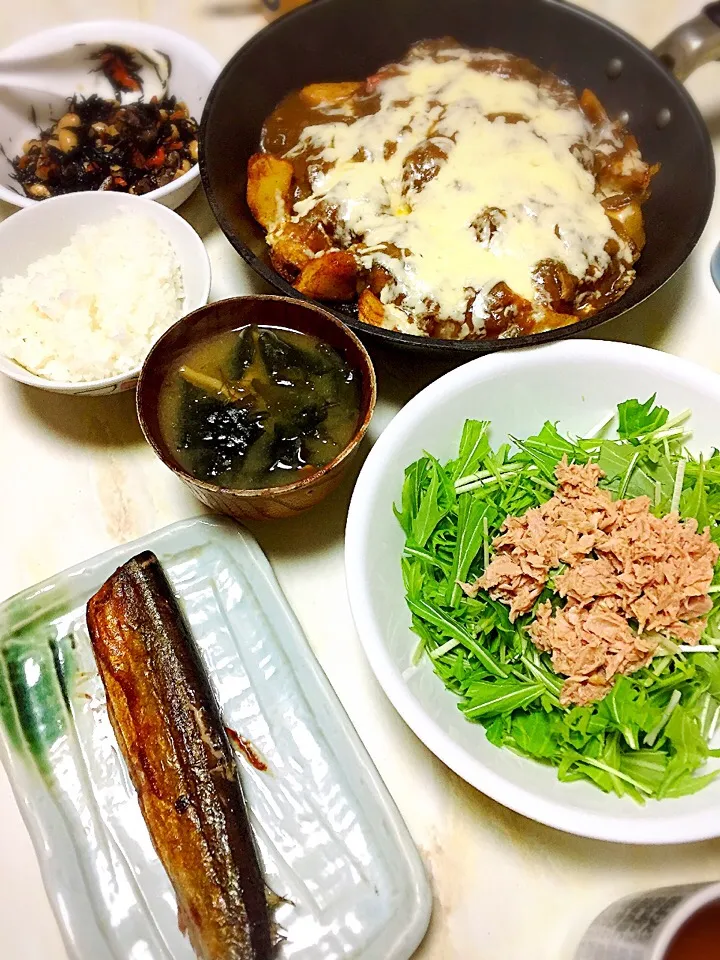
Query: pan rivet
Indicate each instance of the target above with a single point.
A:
(663, 118)
(624, 117)
(614, 68)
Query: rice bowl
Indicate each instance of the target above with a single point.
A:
(46, 228)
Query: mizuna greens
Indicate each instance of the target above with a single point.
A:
(650, 736)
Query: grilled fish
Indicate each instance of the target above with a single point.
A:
(171, 734)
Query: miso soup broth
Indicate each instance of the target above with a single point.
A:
(258, 407)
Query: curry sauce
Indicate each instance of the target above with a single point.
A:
(463, 194)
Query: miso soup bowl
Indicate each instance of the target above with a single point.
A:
(221, 317)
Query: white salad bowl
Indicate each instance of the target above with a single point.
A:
(577, 383)
(193, 72)
(46, 227)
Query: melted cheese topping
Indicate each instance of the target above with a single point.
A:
(526, 170)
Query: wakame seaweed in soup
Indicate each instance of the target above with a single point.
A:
(259, 407)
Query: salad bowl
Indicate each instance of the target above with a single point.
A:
(578, 385)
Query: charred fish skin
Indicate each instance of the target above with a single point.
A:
(170, 732)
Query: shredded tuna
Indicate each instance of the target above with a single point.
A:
(628, 579)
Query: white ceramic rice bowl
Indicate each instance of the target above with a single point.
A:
(576, 383)
(46, 227)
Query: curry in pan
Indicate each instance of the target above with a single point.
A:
(460, 194)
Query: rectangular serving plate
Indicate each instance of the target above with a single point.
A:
(331, 840)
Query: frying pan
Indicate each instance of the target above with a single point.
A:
(349, 39)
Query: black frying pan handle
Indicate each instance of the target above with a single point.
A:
(712, 10)
(693, 43)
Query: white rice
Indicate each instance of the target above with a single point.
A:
(93, 309)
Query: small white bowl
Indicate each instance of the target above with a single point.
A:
(46, 227)
(577, 383)
(193, 73)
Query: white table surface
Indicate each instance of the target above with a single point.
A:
(77, 478)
